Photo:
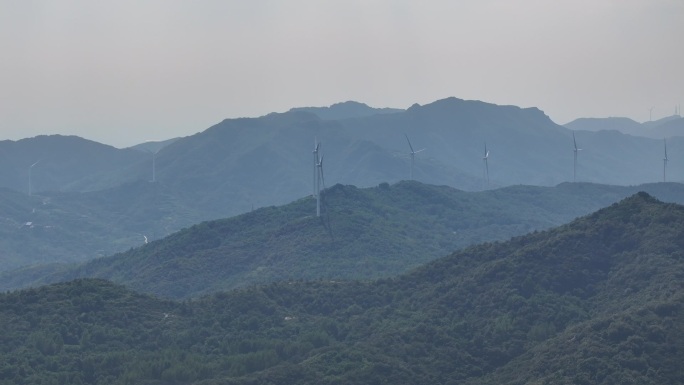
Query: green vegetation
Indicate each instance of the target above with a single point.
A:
(597, 301)
(75, 227)
(363, 234)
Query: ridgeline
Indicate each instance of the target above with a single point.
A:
(597, 301)
(362, 234)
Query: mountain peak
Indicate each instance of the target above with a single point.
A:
(345, 110)
(634, 204)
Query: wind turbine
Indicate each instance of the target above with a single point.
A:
(315, 167)
(154, 165)
(574, 168)
(650, 114)
(413, 154)
(665, 160)
(31, 168)
(486, 165)
(320, 182)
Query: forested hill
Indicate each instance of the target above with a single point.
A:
(597, 301)
(362, 234)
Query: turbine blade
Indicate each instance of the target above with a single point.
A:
(574, 141)
(409, 142)
(422, 149)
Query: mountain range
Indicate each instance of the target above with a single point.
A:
(89, 200)
(663, 128)
(254, 162)
(362, 234)
(595, 301)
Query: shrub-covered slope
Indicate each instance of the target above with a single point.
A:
(597, 301)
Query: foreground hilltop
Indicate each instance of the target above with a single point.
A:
(596, 301)
(363, 234)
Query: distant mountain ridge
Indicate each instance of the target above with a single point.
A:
(153, 146)
(242, 163)
(666, 127)
(596, 301)
(59, 160)
(346, 110)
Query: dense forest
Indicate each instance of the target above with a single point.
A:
(363, 234)
(596, 301)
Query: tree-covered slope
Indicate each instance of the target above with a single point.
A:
(74, 227)
(597, 301)
(362, 234)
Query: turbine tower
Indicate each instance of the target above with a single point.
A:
(486, 165)
(154, 166)
(320, 182)
(413, 154)
(665, 160)
(315, 167)
(30, 186)
(574, 168)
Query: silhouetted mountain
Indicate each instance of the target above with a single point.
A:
(346, 110)
(153, 146)
(624, 125)
(667, 127)
(364, 233)
(61, 161)
(597, 301)
(254, 162)
(670, 128)
(241, 163)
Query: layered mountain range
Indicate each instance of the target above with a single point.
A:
(595, 301)
(361, 234)
(254, 162)
(90, 200)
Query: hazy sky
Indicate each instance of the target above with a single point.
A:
(126, 71)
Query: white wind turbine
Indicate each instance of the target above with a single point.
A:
(413, 154)
(315, 167)
(574, 168)
(665, 160)
(486, 164)
(30, 186)
(154, 164)
(320, 182)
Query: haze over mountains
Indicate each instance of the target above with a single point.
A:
(596, 301)
(91, 200)
(253, 162)
(363, 234)
(663, 128)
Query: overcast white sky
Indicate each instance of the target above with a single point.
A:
(126, 71)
